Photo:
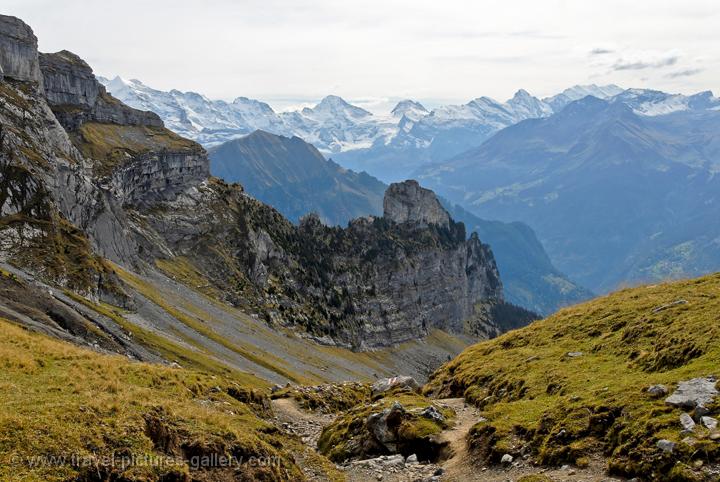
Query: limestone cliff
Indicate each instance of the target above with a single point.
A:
(18, 51)
(84, 179)
(407, 202)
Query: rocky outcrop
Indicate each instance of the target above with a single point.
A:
(145, 162)
(77, 97)
(407, 202)
(158, 176)
(108, 180)
(18, 51)
(393, 282)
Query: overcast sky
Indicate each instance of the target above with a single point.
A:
(373, 52)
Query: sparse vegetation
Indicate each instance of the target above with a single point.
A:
(575, 383)
(112, 144)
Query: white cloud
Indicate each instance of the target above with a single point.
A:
(297, 51)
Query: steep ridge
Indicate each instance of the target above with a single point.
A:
(294, 178)
(629, 379)
(117, 218)
(614, 196)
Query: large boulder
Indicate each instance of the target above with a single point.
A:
(407, 202)
(18, 51)
(384, 426)
(385, 384)
(690, 394)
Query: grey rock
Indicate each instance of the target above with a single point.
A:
(433, 413)
(698, 392)
(669, 305)
(18, 51)
(690, 441)
(386, 384)
(575, 354)
(393, 461)
(709, 422)
(407, 202)
(412, 460)
(75, 95)
(687, 422)
(666, 446)
(700, 412)
(506, 459)
(383, 426)
(657, 391)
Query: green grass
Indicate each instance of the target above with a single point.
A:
(57, 400)
(331, 398)
(113, 144)
(537, 397)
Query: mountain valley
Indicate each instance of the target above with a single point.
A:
(194, 291)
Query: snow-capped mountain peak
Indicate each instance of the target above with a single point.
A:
(335, 105)
(577, 92)
(335, 126)
(409, 108)
(525, 106)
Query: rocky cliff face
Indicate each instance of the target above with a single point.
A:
(18, 51)
(407, 202)
(394, 282)
(77, 97)
(86, 178)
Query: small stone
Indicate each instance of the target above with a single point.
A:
(411, 460)
(687, 422)
(699, 413)
(709, 423)
(276, 388)
(571, 472)
(506, 459)
(666, 446)
(379, 476)
(658, 391)
(575, 354)
(439, 471)
(689, 441)
(385, 384)
(433, 414)
(715, 436)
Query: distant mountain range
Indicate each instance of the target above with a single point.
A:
(295, 178)
(618, 183)
(619, 190)
(389, 147)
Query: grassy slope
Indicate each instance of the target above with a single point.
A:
(60, 400)
(562, 408)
